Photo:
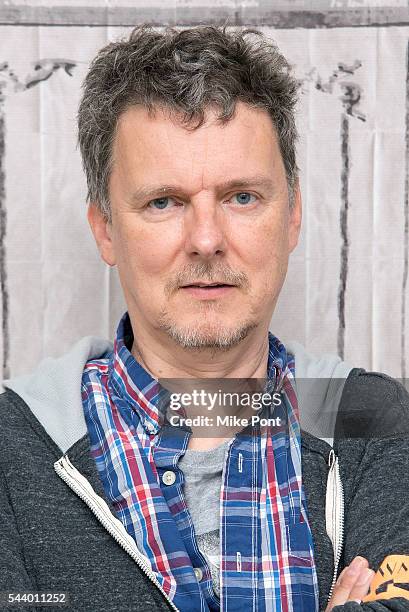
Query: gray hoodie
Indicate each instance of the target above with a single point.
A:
(56, 540)
(57, 382)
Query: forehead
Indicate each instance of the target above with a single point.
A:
(158, 147)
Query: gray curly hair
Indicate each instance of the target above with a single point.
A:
(184, 71)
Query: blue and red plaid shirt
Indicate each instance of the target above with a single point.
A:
(266, 549)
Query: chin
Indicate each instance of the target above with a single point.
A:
(206, 335)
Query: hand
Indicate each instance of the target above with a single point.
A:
(352, 584)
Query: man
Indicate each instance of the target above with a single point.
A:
(188, 144)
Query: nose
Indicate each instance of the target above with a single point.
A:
(204, 230)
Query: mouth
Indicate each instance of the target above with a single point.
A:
(206, 285)
(208, 290)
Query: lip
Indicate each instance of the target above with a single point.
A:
(208, 293)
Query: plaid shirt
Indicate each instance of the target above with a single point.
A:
(266, 545)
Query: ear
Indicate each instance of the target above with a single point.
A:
(295, 218)
(102, 230)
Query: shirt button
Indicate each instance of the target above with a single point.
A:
(198, 573)
(168, 478)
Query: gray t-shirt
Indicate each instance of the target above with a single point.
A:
(203, 478)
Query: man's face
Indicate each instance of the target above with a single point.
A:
(197, 207)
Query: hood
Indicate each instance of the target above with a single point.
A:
(53, 389)
(320, 382)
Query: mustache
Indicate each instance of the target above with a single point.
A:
(205, 271)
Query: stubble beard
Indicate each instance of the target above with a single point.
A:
(206, 333)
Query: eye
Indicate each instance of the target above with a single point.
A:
(160, 203)
(244, 198)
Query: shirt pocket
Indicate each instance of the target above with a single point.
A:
(299, 538)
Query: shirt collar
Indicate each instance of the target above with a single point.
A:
(143, 392)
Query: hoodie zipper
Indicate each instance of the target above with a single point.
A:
(80, 485)
(334, 513)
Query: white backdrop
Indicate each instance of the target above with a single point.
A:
(346, 286)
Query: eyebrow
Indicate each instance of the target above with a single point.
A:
(161, 190)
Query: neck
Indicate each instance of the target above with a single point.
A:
(164, 359)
